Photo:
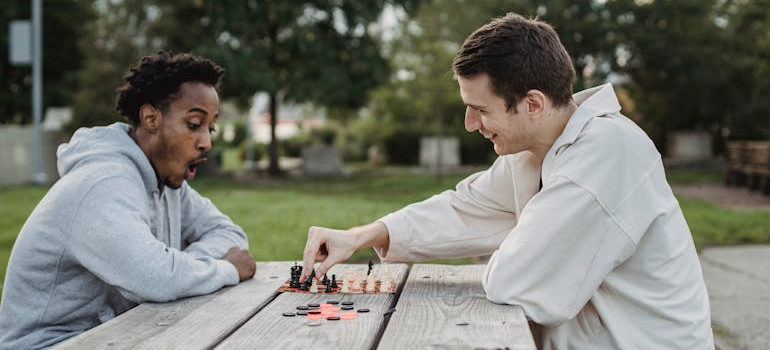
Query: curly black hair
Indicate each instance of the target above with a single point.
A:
(157, 78)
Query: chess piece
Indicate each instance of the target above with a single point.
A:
(314, 287)
(296, 272)
(328, 288)
(371, 265)
(385, 286)
(308, 282)
(325, 280)
(334, 281)
(345, 288)
(370, 285)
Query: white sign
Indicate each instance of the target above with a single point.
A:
(20, 51)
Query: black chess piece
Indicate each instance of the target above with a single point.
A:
(334, 281)
(325, 280)
(371, 266)
(308, 282)
(296, 272)
(329, 288)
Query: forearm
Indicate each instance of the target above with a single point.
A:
(373, 235)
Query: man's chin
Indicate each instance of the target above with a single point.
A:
(175, 184)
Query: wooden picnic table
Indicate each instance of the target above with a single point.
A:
(435, 306)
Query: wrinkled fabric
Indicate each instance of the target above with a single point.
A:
(105, 238)
(601, 257)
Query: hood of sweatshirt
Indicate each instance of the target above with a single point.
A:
(104, 145)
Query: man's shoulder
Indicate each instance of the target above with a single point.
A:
(611, 140)
(610, 156)
(105, 177)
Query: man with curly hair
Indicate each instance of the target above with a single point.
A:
(122, 226)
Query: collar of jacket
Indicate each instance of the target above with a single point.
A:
(594, 102)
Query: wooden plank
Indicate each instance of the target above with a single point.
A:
(192, 323)
(269, 329)
(445, 307)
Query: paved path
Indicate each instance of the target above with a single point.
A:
(738, 281)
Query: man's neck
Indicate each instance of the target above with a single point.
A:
(141, 140)
(554, 124)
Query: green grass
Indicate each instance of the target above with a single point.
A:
(276, 214)
(16, 203)
(694, 177)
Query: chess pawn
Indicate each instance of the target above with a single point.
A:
(325, 280)
(385, 286)
(370, 285)
(345, 288)
(351, 277)
(314, 287)
(334, 281)
(355, 287)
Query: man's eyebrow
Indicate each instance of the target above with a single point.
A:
(197, 109)
(479, 108)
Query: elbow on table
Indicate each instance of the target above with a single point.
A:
(536, 309)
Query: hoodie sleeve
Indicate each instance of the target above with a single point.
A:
(208, 230)
(110, 236)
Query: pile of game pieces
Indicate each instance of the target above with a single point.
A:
(330, 311)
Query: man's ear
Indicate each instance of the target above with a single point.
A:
(535, 102)
(149, 118)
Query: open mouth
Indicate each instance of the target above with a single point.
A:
(192, 168)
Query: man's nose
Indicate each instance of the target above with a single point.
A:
(204, 144)
(472, 119)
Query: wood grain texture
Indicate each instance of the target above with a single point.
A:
(269, 329)
(192, 323)
(445, 307)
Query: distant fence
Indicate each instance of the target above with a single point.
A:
(17, 160)
(748, 164)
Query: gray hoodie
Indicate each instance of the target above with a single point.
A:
(104, 238)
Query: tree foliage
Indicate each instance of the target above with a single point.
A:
(686, 64)
(122, 32)
(62, 28)
(302, 51)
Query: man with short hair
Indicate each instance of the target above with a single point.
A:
(122, 226)
(582, 227)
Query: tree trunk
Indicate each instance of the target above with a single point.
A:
(273, 168)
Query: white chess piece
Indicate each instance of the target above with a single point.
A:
(314, 287)
(385, 286)
(370, 284)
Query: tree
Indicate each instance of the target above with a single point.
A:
(747, 59)
(121, 33)
(304, 51)
(62, 28)
(671, 51)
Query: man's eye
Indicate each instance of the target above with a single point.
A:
(193, 126)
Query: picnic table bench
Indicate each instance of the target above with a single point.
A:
(434, 306)
(748, 164)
